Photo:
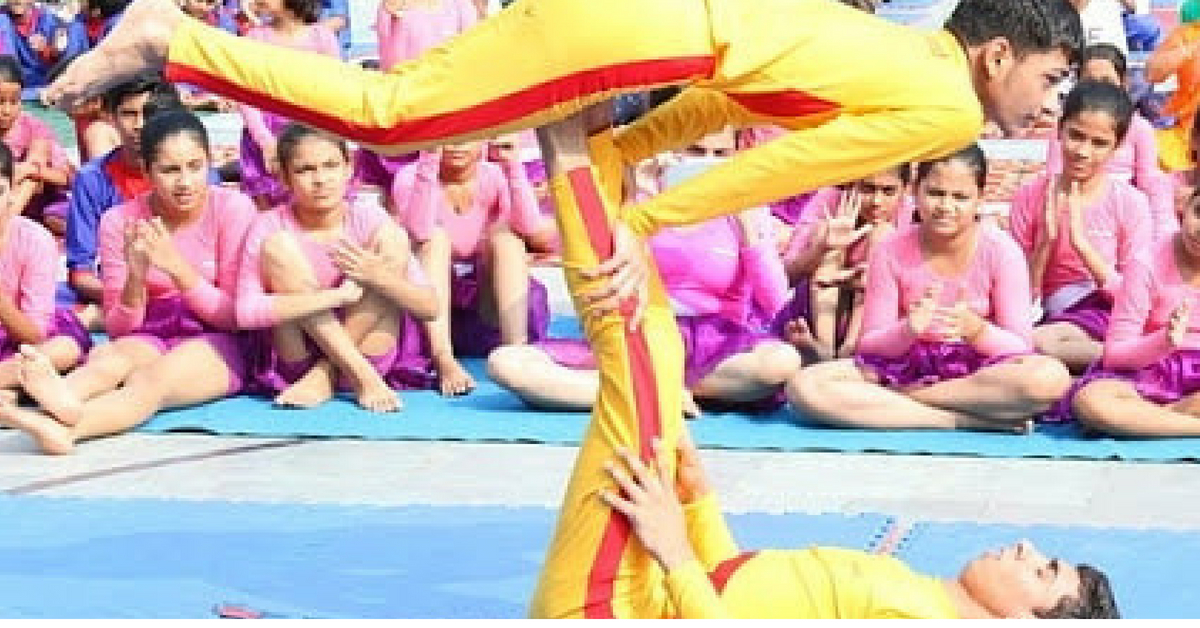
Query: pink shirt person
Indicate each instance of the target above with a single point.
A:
(27, 270)
(212, 244)
(824, 205)
(995, 286)
(1118, 227)
(255, 308)
(1152, 290)
(502, 195)
(1135, 161)
(730, 277)
(420, 28)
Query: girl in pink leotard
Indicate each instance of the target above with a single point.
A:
(1081, 229)
(169, 262)
(946, 329)
(332, 288)
(468, 217)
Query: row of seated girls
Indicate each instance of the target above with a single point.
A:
(940, 319)
(910, 312)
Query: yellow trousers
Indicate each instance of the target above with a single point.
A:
(533, 63)
(594, 566)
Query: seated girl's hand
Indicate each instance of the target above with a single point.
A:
(362, 265)
(921, 314)
(960, 323)
(160, 247)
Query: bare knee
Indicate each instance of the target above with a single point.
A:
(285, 267)
(1043, 379)
(810, 388)
(1093, 404)
(777, 363)
(513, 367)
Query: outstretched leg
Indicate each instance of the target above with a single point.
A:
(593, 567)
(631, 46)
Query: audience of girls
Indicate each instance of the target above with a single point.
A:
(882, 303)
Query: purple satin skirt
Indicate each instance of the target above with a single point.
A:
(927, 363)
(475, 337)
(1091, 314)
(64, 325)
(1167, 381)
(169, 323)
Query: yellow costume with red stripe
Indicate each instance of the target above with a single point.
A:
(860, 94)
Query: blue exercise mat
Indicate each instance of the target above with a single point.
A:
(137, 558)
(1151, 571)
(493, 414)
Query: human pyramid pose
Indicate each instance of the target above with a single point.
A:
(793, 63)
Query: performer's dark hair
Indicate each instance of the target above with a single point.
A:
(1109, 53)
(163, 95)
(1029, 25)
(971, 156)
(294, 134)
(309, 11)
(1095, 599)
(167, 124)
(1100, 96)
(10, 70)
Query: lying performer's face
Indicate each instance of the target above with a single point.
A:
(1012, 88)
(1018, 581)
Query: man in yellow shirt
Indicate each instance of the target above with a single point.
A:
(860, 94)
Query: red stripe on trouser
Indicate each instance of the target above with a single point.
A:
(578, 86)
(599, 596)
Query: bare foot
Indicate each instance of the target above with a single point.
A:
(377, 397)
(311, 390)
(454, 379)
(42, 382)
(138, 43)
(51, 436)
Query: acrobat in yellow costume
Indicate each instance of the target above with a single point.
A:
(853, 100)
(744, 62)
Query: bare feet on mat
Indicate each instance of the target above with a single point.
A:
(45, 386)
(454, 380)
(51, 436)
(138, 43)
(311, 390)
(691, 409)
(376, 396)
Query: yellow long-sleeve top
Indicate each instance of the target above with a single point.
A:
(875, 95)
(860, 94)
(814, 583)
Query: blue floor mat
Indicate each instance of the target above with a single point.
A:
(492, 414)
(1151, 571)
(106, 558)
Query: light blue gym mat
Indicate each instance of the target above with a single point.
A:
(106, 558)
(493, 415)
